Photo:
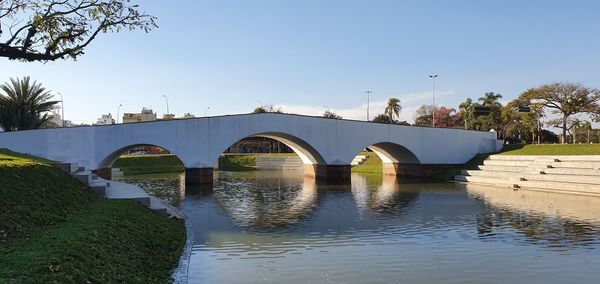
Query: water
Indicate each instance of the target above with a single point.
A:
(273, 227)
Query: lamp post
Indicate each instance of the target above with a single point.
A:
(433, 92)
(368, 92)
(62, 109)
(206, 111)
(119, 112)
(167, 101)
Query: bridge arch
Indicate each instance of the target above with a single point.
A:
(307, 153)
(395, 158)
(103, 168)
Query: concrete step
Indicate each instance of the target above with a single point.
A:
(562, 186)
(572, 171)
(502, 168)
(69, 168)
(84, 177)
(577, 164)
(515, 163)
(583, 179)
(502, 182)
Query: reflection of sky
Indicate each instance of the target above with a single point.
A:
(381, 230)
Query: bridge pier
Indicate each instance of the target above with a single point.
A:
(414, 170)
(331, 174)
(199, 175)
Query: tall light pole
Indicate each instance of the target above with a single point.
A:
(206, 111)
(62, 109)
(167, 101)
(368, 92)
(119, 112)
(433, 91)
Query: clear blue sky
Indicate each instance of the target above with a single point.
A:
(309, 55)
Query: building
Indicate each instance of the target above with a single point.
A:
(106, 119)
(146, 115)
(55, 119)
(188, 115)
(168, 116)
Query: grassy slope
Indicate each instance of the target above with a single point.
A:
(54, 229)
(371, 165)
(552, 149)
(149, 164)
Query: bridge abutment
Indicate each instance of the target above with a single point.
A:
(331, 174)
(414, 170)
(199, 175)
(105, 173)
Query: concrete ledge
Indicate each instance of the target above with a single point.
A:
(414, 170)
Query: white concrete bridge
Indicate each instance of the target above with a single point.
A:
(326, 146)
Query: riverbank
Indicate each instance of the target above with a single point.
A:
(55, 229)
(148, 164)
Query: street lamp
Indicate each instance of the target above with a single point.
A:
(206, 111)
(433, 91)
(119, 112)
(368, 92)
(62, 109)
(167, 101)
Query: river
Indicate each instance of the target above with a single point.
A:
(280, 227)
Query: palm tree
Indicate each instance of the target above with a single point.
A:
(24, 105)
(490, 99)
(393, 108)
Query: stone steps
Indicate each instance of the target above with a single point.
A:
(105, 188)
(565, 174)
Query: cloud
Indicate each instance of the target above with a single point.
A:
(409, 103)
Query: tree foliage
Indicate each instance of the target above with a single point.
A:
(444, 117)
(267, 108)
(329, 114)
(24, 105)
(393, 108)
(382, 118)
(564, 99)
(47, 30)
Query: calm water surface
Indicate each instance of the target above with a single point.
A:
(274, 227)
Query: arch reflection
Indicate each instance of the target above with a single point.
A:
(288, 199)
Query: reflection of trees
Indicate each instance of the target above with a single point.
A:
(537, 216)
(267, 201)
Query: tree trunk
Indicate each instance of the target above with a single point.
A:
(564, 128)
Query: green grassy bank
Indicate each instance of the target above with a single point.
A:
(371, 165)
(148, 164)
(54, 229)
(552, 149)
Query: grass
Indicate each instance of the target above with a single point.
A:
(54, 229)
(552, 149)
(371, 165)
(245, 162)
(149, 164)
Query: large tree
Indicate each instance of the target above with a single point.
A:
(565, 99)
(24, 105)
(393, 108)
(46, 30)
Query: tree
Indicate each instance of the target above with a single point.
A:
(47, 30)
(393, 108)
(329, 114)
(466, 110)
(444, 117)
(24, 105)
(382, 118)
(490, 99)
(267, 108)
(565, 99)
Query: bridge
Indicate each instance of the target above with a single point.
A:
(326, 146)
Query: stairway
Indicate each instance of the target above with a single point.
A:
(359, 159)
(119, 190)
(562, 174)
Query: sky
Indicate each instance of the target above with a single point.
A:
(311, 56)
